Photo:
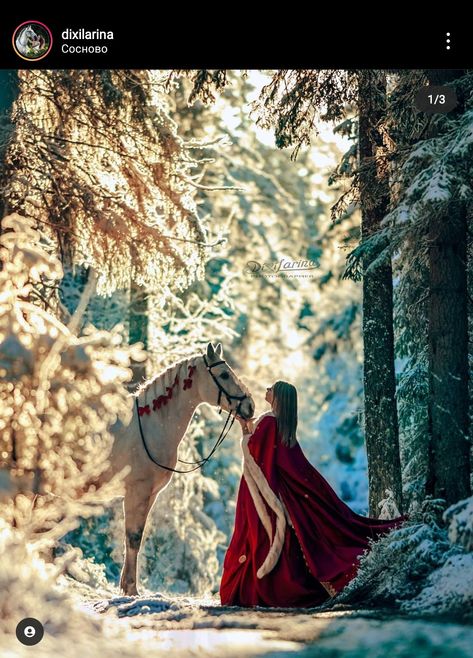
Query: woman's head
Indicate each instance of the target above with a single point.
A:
(282, 397)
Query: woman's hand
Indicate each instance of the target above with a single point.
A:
(245, 424)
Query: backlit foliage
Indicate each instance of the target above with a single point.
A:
(58, 393)
(95, 159)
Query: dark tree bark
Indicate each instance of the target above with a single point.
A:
(449, 450)
(8, 93)
(469, 273)
(449, 468)
(138, 328)
(448, 473)
(380, 409)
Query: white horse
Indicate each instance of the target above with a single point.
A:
(163, 408)
(25, 38)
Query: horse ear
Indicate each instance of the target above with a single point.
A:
(210, 351)
(219, 350)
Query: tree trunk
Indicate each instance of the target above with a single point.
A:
(448, 473)
(448, 466)
(138, 328)
(380, 410)
(8, 92)
(469, 307)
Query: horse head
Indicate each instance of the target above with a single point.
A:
(219, 385)
(25, 39)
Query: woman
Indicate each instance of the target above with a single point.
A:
(295, 543)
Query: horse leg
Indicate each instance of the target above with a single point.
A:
(136, 507)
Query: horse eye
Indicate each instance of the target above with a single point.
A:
(224, 375)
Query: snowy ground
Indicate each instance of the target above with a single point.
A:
(422, 571)
(200, 628)
(183, 627)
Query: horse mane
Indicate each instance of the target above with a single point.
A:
(165, 374)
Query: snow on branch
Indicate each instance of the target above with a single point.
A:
(59, 394)
(107, 176)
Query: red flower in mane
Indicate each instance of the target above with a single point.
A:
(188, 381)
(163, 399)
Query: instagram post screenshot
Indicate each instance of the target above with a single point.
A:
(236, 324)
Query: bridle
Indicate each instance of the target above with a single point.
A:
(222, 436)
(221, 389)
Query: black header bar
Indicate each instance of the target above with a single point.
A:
(302, 41)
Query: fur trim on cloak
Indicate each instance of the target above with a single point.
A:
(261, 492)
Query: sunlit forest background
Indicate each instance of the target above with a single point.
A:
(136, 206)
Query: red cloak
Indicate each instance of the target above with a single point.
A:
(322, 540)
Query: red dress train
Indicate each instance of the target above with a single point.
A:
(322, 540)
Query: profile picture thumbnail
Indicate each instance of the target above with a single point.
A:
(32, 40)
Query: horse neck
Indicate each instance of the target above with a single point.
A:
(171, 420)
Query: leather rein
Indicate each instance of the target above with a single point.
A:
(222, 436)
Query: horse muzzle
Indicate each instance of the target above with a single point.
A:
(247, 408)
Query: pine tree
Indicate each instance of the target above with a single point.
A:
(381, 426)
(449, 466)
(431, 155)
(8, 93)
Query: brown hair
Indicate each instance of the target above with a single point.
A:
(285, 409)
